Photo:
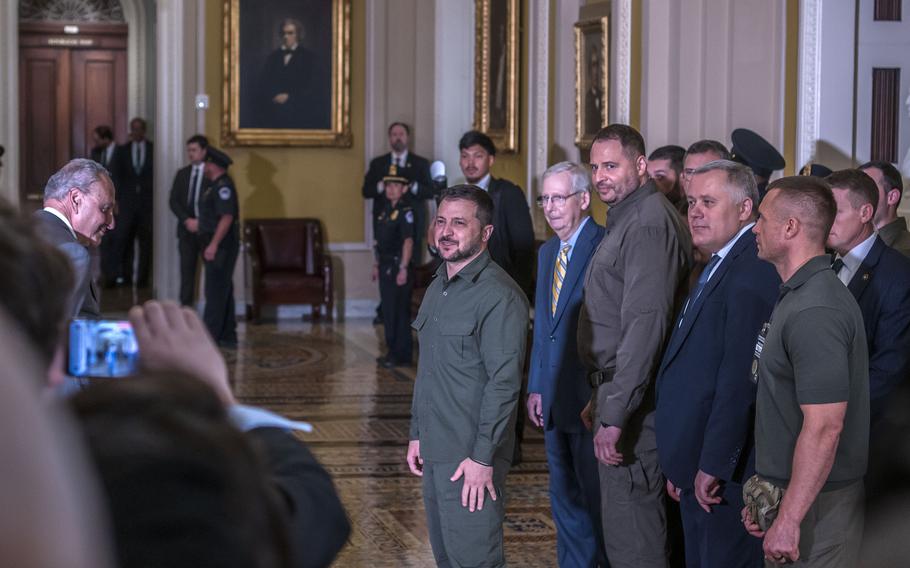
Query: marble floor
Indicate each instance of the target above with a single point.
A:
(326, 373)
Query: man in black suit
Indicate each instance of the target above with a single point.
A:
(410, 165)
(78, 211)
(103, 151)
(512, 243)
(134, 166)
(879, 278)
(295, 92)
(705, 401)
(189, 183)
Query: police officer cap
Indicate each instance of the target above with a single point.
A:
(754, 151)
(396, 175)
(217, 157)
(816, 170)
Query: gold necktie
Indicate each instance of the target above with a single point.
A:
(559, 274)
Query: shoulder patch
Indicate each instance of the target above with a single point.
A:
(224, 192)
(409, 217)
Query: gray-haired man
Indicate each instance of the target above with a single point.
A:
(78, 211)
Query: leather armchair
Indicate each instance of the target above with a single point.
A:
(288, 264)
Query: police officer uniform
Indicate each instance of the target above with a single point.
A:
(750, 149)
(393, 225)
(220, 199)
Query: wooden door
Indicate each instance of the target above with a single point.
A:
(43, 118)
(69, 84)
(99, 95)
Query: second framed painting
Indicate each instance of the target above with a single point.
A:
(287, 73)
(592, 78)
(496, 79)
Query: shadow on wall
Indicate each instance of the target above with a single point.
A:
(261, 177)
(830, 156)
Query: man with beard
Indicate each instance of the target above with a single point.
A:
(633, 284)
(472, 328)
(78, 211)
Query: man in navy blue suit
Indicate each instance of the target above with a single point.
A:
(879, 278)
(558, 388)
(705, 400)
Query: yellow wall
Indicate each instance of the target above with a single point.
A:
(296, 182)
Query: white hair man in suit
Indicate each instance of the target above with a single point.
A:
(78, 211)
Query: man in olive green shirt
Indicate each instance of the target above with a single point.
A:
(633, 284)
(472, 328)
(890, 227)
(812, 368)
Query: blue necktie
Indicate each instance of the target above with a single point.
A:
(702, 281)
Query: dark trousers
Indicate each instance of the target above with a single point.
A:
(396, 312)
(718, 539)
(575, 498)
(189, 249)
(459, 537)
(219, 316)
(133, 224)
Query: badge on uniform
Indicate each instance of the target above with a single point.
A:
(394, 215)
(409, 217)
(759, 347)
(224, 193)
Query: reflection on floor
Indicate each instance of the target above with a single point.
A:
(327, 374)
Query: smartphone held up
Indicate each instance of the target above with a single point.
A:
(102, 349)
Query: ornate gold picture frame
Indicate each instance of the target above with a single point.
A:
(592, 78)
(496, 71)
(287, 73)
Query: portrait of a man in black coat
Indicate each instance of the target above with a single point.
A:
(291, 94)
(285, 57)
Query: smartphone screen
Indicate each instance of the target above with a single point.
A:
(102, 348)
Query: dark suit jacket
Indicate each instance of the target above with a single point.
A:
(179, 198)
(319, 524)
(881, 287)
(99, 154)
(556, 371)
(512, 242)
(306, 79)
(133, 188)
(416, 168)
(84, 296)
(705, 396)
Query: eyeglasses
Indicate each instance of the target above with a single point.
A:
(556, 200)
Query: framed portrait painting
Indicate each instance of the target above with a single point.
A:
(287, 73)
(592, 78)
(496, 79)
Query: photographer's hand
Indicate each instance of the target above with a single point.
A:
(172, 338)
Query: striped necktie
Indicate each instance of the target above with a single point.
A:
(559, 274)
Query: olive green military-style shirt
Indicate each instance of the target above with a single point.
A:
(812, 352)
(472, 330)
(634, 284)
(896, 236)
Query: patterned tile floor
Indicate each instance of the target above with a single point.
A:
(326, 373)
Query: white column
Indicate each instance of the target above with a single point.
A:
(538, 102)
(453, 80)
(9, 99)
(176, 120)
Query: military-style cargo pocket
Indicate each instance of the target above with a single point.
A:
(457, 338)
